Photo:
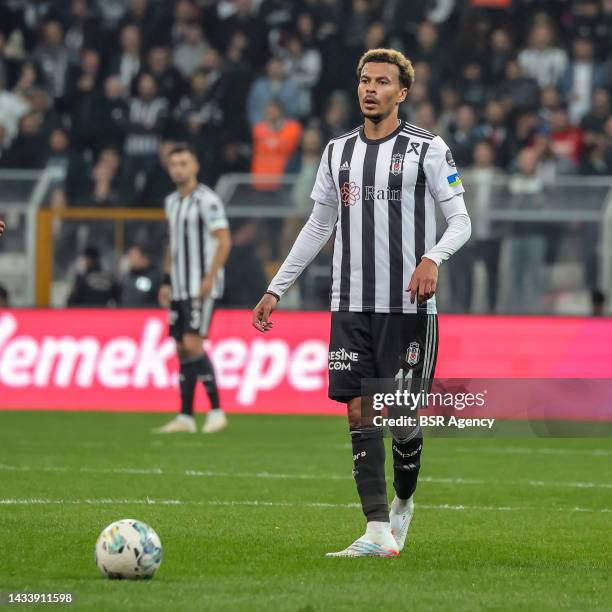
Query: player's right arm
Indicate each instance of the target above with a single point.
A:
(313, 237)
(2, 227)
(164, 295)
(165, 290)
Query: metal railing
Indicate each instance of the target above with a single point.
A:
(572, 216)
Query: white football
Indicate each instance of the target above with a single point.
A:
(128, 549)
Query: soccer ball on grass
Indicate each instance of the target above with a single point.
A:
(128, 549)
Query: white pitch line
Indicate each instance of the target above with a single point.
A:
(286, 476)
(262, 503)
(525, 450)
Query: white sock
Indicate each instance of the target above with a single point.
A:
(400, 505)
(376, 528)
(185, 417)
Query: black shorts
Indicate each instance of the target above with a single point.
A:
(366, 345)
(190, 316)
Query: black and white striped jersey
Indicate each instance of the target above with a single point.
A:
(385, 191)
(192, 221)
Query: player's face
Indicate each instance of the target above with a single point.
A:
(182, 167)
(380, 91)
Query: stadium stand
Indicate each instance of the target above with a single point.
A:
(95, 91)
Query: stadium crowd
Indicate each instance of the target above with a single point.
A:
(98, 90)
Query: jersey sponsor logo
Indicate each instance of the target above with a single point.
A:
(413, 353)
(342, 359)
(449, 158)
(393, 195)
(397, 164)
(345, 166)
(414, 147)
(454, 179)
(350, 193)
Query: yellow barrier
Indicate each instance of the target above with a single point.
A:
(44, 237)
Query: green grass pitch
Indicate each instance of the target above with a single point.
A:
(247, 515)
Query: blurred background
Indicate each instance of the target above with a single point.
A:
(94, 92)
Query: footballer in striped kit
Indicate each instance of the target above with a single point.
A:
(199, 247)
(379, 186)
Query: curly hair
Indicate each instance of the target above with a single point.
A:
(389, 56)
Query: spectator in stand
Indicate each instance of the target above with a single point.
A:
(111, 12)
(592, 23)
(425, 117)
(83, 95)
(449, 102)
(582, 76)
(275, 141)
(3, 144)
(275, 85)
(336, 120)
(7, 67)
(427, 51)
(472, 85)
(143, 14)
(140, 286)
(595, 120)
(596, 159)
(94, 286)
(542, 60)
(105, 180)
(277, 17)
(550, 100)
(199, 120)
(597, 131)
(564, 143)
(29, 149)
(598, 303)
(111, 116)
(127, 62)
(5, 301)
(502, 52)
(188, 52)
(518, 92)
(158, 184)
(186, 14)
(463, 135)
(494, 130)
(82, 31)
(51, 58)
(598, 154)
(527, 244)
(300, 195)
(170, 84)
(522, 135)
(12, 108)
(304, 66)
(485, 242)
(66, 168)
(146, 124)
(246, 22)
(245, 278)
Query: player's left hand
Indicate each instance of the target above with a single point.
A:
(207, 286)
(424, 281)
(2, 226)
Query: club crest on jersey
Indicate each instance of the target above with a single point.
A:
(413, 353)
(350, 193)
(397, 164)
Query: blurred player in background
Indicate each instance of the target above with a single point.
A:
(199, 246)
(380, 184)
(2, 226)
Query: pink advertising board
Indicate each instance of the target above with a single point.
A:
(123, 359)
